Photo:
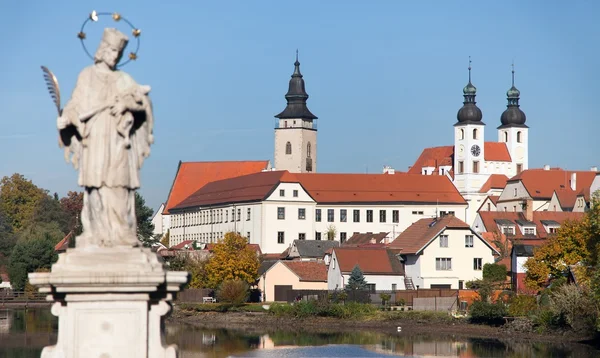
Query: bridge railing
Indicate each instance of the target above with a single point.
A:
(21, 297)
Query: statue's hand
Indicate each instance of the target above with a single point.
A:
(118, 108)
(62, 122)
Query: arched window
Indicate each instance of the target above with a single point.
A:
(489, 207)
(288, 148)
(506, 136)
(475, 133)
(462, 133)
(308, 150)
(519, 137)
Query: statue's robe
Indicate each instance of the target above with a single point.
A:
(108, 159)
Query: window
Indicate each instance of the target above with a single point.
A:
(443, 240)
(280, 213)
(232, 214)
(295, 193)
(343, 215)
(514, 208)
(508, 230)
(371, 287)
(301, 214)
(505, 136)
(519, 137)
(461, 167)
(317, 235)
(519, 168)
(248, 214)
(468, 240)
(515, 192)
(475, 167)
(417, 213)
(248, 235)
(529, 231)
(369, 216)
(288, 147)
(395, 216)
(281, 192)
(477, 264)
(475, 133)
(462, 134)
(343, 236)
(301, 236)
(394, 287)
(489, 207)
(280, 237)
(226, 215)
(552, 230)
(239, 217)
(318, 215)
(330, 215)
(443, 264)
(356, 215)
(382, 216)
(308, 150)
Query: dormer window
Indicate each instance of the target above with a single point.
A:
(527, 227)
(551, 226)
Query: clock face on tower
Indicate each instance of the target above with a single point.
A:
(475, 150)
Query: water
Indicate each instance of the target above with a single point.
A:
(23, 334)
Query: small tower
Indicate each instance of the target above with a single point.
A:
(296, 130)
(469, 142)
(513, 130)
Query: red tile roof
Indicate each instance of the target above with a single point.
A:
(182, 245)
(541, 184)
(566, 199)
(63, 244)
(417, 236)
(365, 238)
(489, 217)
(308, 270)
(376, 261)
(246, 188)
(496, 152)
(380, 188)
(192, 176)
(495, 181)
(433, 157)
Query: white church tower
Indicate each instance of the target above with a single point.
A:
(469, 171)
(296, 130)
(513, 130)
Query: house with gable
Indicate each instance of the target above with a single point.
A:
(284, 275)
(381, 267)
(310, 250)
(442, 253)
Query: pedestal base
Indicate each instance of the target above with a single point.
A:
(110, 303)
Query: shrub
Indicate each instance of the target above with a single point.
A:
(401, 302)
(487, 313)
(234, 292)
(494, 272)
(522, 305)
(385, 298)
(576, 306)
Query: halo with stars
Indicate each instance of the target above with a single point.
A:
(94, 17)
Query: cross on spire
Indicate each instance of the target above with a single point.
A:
(513, 73)
(469, 69)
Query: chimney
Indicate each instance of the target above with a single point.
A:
(594, 169)
(573, 181)
(529, 210)
(546, 167)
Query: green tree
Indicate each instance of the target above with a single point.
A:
(356, 280)
(145, 227)
(29, 256)
(19, 199)
(331, 232)
(7, 239)
(494, 272)
(232, 259)
(48, 210)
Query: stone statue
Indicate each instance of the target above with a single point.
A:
(106, 129)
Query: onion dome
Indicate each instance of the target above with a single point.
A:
(469, 113)
(513, 116)
(296, 98)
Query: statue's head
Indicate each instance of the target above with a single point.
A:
(111, 47)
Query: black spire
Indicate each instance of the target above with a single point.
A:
(296, 97)
(513, 116)
(469, 113)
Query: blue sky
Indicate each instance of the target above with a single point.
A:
(385, 78)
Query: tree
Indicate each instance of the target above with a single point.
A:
(7, 239)
(19, 199)
(494, 272)
(356, 282)
(165, 240)
(331, 232)
(49, 210)
(567, 247)
(593, 245)
(29, 256)
(502, 243)
(72, 204)
(232, 259)
(145, 227)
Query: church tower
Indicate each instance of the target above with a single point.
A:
(469, 147)
(513, 130)
(296, 130)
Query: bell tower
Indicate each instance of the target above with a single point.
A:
(296, 130)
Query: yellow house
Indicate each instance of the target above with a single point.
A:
(295, 275)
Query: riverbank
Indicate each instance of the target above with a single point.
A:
(410, 323)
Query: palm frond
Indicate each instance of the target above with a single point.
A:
(53, 89)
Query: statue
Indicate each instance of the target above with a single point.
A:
(106, 129)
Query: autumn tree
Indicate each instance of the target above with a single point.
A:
(145, 227)
(567, 247)
(72, 204)
(19, 199)
(232, 259)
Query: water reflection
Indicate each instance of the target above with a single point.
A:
(24, 332)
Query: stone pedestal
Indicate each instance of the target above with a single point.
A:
(110, 303)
